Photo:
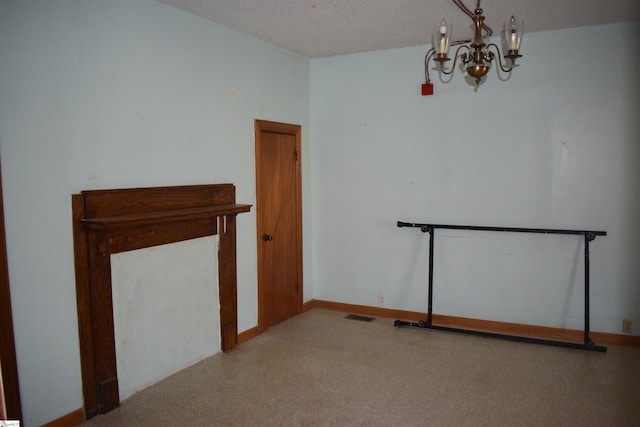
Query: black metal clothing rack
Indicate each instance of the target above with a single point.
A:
(589, 235)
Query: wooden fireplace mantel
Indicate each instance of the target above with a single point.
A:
(106, 222)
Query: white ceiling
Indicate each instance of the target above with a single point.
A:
(319, 28)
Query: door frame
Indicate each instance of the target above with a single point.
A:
(296, 131)
(8, 361)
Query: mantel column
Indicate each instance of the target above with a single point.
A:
(227, 277)
(102, 321)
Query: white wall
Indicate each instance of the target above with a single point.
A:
(555, 146)
(109, 94)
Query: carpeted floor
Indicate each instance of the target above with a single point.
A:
(320, 369)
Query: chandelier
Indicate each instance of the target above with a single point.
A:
(477, 54)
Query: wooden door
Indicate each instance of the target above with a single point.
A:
(10, 407)
(279, 222)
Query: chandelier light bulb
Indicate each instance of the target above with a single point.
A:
(513, 34)
(443, 27)
(441, 37)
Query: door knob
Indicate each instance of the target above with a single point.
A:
(267, 237)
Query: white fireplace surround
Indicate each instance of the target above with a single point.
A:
(166, 310)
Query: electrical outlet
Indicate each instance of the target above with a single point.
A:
(381, 299)
(627, 326)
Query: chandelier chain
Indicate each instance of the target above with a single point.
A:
(470, 14)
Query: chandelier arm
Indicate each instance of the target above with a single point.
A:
(505, 70)
(455, 61)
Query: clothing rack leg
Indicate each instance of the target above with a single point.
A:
(587, 340)
(430, 306)
(586, 290)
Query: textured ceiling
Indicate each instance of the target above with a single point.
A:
(319, 28)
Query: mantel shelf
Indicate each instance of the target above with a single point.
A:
(157, 217)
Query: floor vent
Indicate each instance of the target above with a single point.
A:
(360, 318)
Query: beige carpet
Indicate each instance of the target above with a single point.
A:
(320, 369)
